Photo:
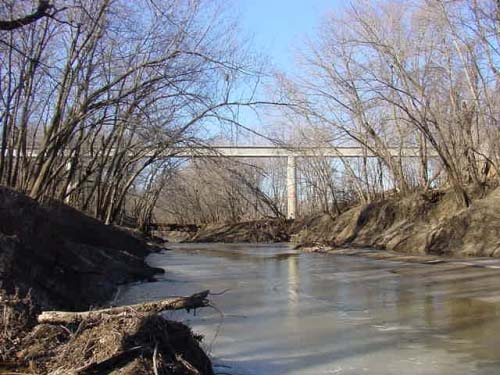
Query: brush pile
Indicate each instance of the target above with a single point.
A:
(126, 340)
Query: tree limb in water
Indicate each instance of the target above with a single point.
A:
(176, 303)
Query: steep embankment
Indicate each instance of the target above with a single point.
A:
(430, 223)
(67, 259)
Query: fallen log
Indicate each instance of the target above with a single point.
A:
(175, 303)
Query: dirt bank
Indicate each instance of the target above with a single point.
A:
(55, 257)
(267, 230)
(67, 259)
(430, 223)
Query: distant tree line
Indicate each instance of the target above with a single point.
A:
(385, 74)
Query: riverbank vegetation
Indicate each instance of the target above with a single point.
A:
(95, 123)
(96, 95)
(386, 76)
(407, 74)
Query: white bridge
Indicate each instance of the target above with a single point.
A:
(291, 153)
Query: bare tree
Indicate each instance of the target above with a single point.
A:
(43, 9)
(397, 74)
(97, 99)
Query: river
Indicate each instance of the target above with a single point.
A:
(285, 312)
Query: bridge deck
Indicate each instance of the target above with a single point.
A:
(274, 151)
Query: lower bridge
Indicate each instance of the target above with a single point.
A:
(174, 227)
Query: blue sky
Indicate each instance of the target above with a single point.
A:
(278, 26)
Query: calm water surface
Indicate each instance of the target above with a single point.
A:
(291, 313)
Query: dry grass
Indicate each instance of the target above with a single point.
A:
(16, 318)
(131, 344)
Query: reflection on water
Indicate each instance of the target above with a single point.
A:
(293, 286)
(292, 313)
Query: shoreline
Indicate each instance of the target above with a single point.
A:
(429, 224)
(391, 256)
(54, 257)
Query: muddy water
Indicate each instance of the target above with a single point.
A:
(291, 313)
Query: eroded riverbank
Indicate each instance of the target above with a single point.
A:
(418, 224)
(295, 313)
(55, 257)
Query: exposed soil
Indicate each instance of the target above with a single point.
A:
(430, 223)
(67, 259)
(419, 224)
(55, 257)
(267, 230)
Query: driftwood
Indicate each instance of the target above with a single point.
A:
(176, 303)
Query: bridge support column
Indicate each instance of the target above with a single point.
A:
(291, 187)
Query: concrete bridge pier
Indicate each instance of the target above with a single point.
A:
(291, 186)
